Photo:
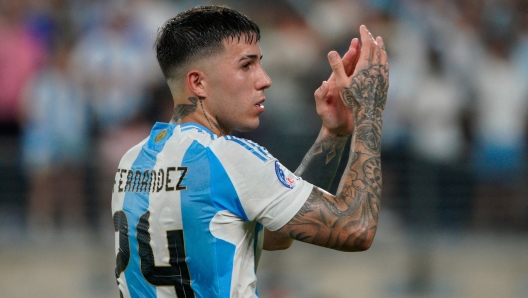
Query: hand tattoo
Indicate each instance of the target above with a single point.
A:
(367, 96)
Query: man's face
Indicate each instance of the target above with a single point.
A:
(235, 86)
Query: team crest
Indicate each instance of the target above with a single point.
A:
(160, 136)
(286, 177)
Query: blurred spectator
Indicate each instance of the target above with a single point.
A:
(500, 126)
(329, 18)
(437, 144)
(109, 62)
(20, 57)
(408, 62)
(461, 45)
(149, 15)
(55, 142)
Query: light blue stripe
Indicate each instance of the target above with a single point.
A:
(261, 149)
(223, 192)
(134, 205)
(203, 250)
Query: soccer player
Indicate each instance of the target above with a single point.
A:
(193, 206)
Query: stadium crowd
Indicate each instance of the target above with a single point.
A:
(79, 85)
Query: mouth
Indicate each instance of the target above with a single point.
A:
(260, 103)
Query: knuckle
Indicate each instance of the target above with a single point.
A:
(336, 66)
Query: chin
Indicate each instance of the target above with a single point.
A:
(248, 126)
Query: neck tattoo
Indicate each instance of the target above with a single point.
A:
(211, 125)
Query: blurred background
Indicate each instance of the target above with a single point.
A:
(79, 85)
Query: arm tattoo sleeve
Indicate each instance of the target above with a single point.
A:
(349, 220)
(320, 164)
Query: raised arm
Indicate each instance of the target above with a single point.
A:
(320, 164)
(348, 220)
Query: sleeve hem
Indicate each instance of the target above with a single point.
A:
(292, 209)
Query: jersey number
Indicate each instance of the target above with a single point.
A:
(177, 274)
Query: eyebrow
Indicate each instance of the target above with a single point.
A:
(251, 57)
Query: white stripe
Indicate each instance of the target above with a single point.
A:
(259, 149)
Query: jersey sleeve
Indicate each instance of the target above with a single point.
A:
(268, 191)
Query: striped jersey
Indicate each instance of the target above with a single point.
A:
(189, 209)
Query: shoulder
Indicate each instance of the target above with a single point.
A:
(240, 148)
(191, 132)
(131, 155)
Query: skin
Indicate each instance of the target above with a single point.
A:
(223, 92)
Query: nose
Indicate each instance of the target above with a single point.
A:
(264, 81)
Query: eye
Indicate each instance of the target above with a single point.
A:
(246, 65)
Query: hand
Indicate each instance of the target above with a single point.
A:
(365, 92)
(337, 118)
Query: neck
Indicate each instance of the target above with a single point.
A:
(194, 111)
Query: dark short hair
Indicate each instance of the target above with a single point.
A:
(199, 32)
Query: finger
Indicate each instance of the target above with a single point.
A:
(338, 69)
(322, 91)
(375, 56)
(348, 57)
(351, 57)
(380, 42)
(375, 49)
(367, 43)
(358, 49)
(383, 56)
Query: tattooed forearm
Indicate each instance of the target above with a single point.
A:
(348, 221)
(183, 110)
(320, 164)
(370, 136)
(345, 221)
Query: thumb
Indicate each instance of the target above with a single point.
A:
(337, 66)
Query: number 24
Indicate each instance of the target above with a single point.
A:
(177, 274)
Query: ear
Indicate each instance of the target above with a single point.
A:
(195, 83)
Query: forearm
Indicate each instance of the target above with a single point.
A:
(361, 184)
(320, 164)
(347, 221)
(360, 191)
(276, 240)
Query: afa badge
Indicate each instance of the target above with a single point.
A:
(286, 177)
(160, 136)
